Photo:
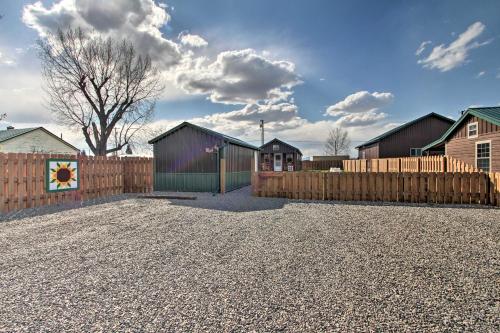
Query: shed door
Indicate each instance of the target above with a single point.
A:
(278, 162)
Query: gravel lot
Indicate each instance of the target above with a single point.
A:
(234, 263)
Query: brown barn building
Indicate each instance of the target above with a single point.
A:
(277, 155)
(474, 139)
(407, 139)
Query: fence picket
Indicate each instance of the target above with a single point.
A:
(421, 187)
(22, 179)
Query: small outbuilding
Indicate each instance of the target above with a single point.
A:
(192, 158)
(277, 155)
(406, 140)
(474, 139)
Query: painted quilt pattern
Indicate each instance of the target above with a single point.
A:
(62, 175)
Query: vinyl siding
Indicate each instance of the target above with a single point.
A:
(37, 141)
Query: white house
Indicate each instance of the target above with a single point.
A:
(33, 140)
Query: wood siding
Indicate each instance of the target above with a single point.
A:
(464, 149)
(414, 136)
(369, 152)
(266, 156)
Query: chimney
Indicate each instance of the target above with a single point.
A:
(10, 127)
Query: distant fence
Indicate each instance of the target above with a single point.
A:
(321, 165)
(416, 187)
(408, 164)
(23, 179)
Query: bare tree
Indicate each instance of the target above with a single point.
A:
(338, 142)
(101, 86)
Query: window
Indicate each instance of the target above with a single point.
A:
(276, 147)
(415, 151)
(483, 155)
(472, 130)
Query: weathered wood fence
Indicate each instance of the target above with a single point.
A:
(408, 164)
(416, 187)
(23, 179)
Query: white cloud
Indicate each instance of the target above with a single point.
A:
(240, 77)
(361, 101)
(21, 96)
(360, 119)
(192, 40)
(139, 20)
(445, 58)
(481, 73)
(422, 47)
(6, 60)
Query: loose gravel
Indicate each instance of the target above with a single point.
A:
(236, 263)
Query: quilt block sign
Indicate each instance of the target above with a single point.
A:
(61, 175)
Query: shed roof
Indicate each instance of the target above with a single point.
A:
(224, 137)
(8, 134)
(490, 114)
(282, 142)
(401, 127)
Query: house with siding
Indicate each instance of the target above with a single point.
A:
(277, 155)
(33, 140)
(406, 140)
(474, 139)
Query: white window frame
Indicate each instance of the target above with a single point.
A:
(468, 130)
(416, 149)
(276, 147)
(475, 152)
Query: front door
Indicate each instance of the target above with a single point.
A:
(278, 162)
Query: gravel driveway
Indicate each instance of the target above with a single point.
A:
(235, 263)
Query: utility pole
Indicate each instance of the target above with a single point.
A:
(262, 132)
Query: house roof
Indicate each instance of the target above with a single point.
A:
(401, 127)
(282, 142)
(224, 137)
(8, 134)
(490, 114)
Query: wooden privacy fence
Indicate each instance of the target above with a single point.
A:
(408, 164)
(321, 165)
(429, 187)
(23, 179)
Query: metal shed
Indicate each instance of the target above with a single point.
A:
(191, 158)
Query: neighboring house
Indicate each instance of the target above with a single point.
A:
(189, 158)
(407, 139)
(33, 140)
(277, 155)
(473, 139)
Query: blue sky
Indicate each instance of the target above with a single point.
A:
(334, 63)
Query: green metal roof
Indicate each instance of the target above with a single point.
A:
(490, 114)
(208, 131)
(399, 128)
(12, 133)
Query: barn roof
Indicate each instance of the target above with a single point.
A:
(282, 142)
(399, 128)
(8, 134)
(224, 137)
(490, 114)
